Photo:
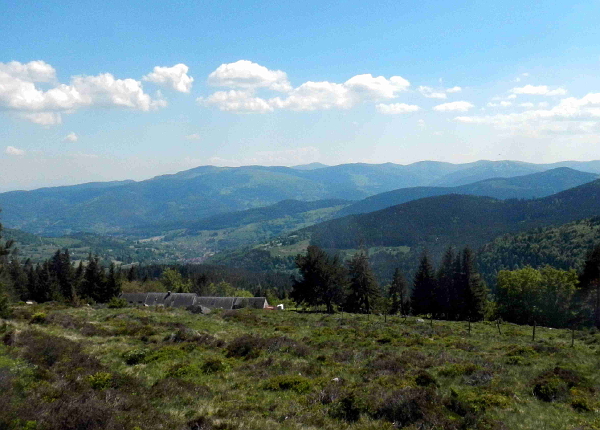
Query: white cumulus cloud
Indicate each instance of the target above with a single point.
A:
(539, 90)
(11, 150)
(396, 108)
(236, 101)
(34, 71)
(18, 92)
(316, 95)
(175, 77)
(431, 93)
(246, 79)
(377, 87)
(43, 118)
(570, 116)
(454, 90)
(246, 74)
(461, 106)
(71, 137)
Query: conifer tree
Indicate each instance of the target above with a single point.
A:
(323, 279)
(399, 294)
(424, 286)
(474, 288)
(93, 284)
(363, 287)
(589, 282)
(445, 285)
(113, 284)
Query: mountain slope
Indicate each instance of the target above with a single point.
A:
(208, 190)
(528, 186)
(437, 222)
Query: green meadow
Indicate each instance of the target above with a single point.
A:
(154, 368)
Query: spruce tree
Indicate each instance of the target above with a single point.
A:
(424, 286)
(363, 287)
(589, 282)
(445, 285)
(474, 288)
(399, 294)
(323, 279)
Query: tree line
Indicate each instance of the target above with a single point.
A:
(454, 291)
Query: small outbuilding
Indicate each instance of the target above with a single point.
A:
(190, 300)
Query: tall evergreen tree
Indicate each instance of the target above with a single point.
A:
(323, 279)
(474, 288)
(113, 284)
(62, 272)
(399, 294)
(589, 283)
(424, 287)
(363, 287)
(445, 285)
(93, 284)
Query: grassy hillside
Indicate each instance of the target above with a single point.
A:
(146, 368)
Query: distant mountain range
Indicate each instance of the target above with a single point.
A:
(436, 222)
(397, 235)
(521, 187)
(207, 191)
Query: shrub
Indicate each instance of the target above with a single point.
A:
(100, 380)
(117, 303)
(5, 310)
(213, 365)
(348, 407)
(38, 318)
(296, 383)
(183, 370)
(424, 379)
(246, 346)
(554, 384)
(412, 405)
(135, 356)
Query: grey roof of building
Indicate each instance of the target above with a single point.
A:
(186, 300)
(135, 298)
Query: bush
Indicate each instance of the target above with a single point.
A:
(424, 379)
(296, 383)
(348, 407)
(100, 380)
(5, 310)
(213, 365)
(38, 318)
(117, 303)
(555, 384)
(246, 346)
(135, 356)
(411, 406)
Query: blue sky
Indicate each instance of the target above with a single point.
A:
(132, 89)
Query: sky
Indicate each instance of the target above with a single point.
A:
(112, 90)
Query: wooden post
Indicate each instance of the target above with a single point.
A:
(498, 324)
(469, 326)
(572, 337)
(533, 337)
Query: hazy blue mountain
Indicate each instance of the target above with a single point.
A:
(310, 166)
(207, 191)
(522, 187)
